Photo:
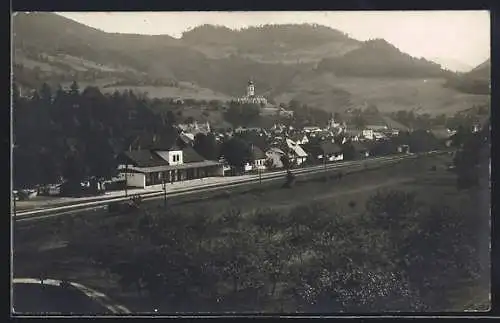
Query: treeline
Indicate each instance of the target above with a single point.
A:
(426, 121)
(378, 58)
(76, 135)
(469, 85)
(266, 38)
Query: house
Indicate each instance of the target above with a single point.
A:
(361, 150)
(375, 122)
(258, 160)
(332, 151)
(353, 133)
(285, 113)
(322, 134)
(187, 138)
(394, 126)
(274, 155)
(405, 149)
(296, 152)
(379, 135)
(163, 161)
(195, 128)
(368, 134)
(311, 129)
(443, 135)
(299, 138)
(325, 151)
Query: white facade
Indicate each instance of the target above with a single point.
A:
(250, 96)
(336, 157)
(250, 89)
(255, 165)
(175, 157)
(260, 164)
(311, 129)
(132, 179)
(368, 134)
(274, 155)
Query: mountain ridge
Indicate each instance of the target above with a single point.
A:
(216, 59)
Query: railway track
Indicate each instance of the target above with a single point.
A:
(35, 215)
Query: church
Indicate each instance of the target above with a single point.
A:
(250, 97)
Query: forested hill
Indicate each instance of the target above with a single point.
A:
(212, 62)
(271, 43)
(482, 71)
(77, 134)
(476, 81)
(378, 58)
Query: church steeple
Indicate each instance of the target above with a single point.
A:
(250, 89)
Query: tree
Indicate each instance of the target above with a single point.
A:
(74, 170)
(206, 146)
(285, 160)
(359, 121)
(422, 140)
(46, 93)
(242, 114)
(74, 89)
(237, 152)
(348, 151)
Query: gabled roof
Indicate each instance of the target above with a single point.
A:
(359, 146)
(393, 124)
(275, 150)
(189, 155)
(142, 158)
(255, 139)
(329, 147)
(312, 149)
(296, 148)
(257, 153)
(441, 133)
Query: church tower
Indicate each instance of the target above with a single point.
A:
(250, 89)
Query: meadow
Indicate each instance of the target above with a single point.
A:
(397, 239)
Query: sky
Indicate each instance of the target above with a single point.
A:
(456, 36)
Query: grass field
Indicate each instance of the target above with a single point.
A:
(388, 94)
(46, 241)
(184, 92)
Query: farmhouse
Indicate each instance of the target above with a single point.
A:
(325, 151)
(296, 152)
(258, 159)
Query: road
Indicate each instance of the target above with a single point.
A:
(100, 207)
(31, 297)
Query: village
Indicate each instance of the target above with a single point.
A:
(156, 161)
(195, 149)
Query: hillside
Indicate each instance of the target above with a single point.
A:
(378, 58)
(51, 48)
(289, 44)
(477, 81)
(316, 65)
(452, 64)
(334, 93)
(482, 71)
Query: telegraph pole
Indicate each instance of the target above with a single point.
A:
(164, 186)
(126, 179)
(260, 176)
